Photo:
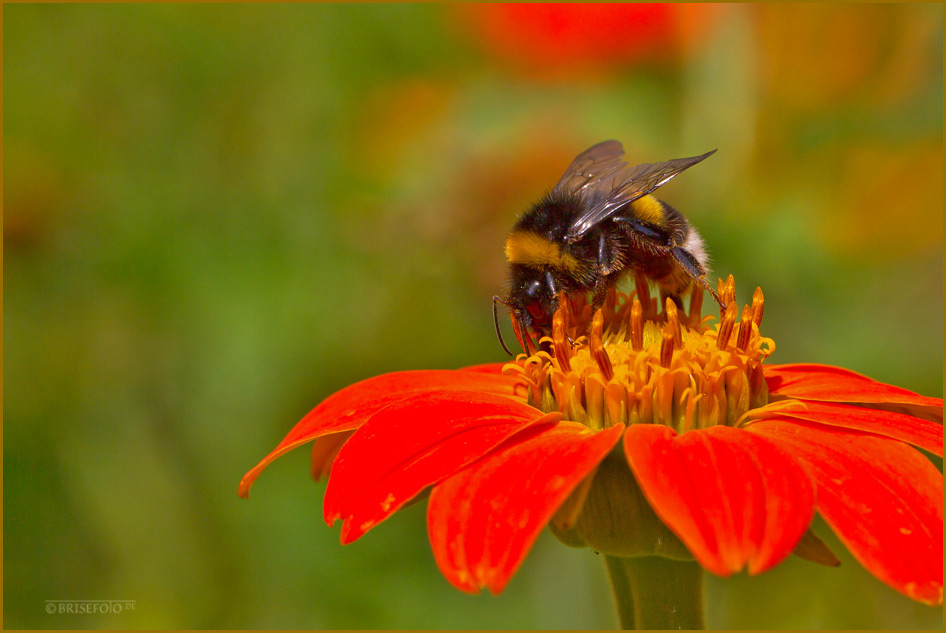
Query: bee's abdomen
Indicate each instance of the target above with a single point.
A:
(651, 210)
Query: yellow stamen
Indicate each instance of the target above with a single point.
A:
(726, 326)
(727, 290)
(610, 301)
(522, 335)
(562, 350)
(626, 363)
(758, 303)
(643, 292)
(666, 346)
(636, 329)
(745, 329)
(598, 352)
(673, 322)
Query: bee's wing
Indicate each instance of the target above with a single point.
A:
(590, 173)
(625, 186)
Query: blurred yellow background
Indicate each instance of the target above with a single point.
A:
(215, 216)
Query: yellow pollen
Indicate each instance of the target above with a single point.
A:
(628, 363)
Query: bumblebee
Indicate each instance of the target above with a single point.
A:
(596, 226)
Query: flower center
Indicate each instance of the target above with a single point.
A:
(631, 362)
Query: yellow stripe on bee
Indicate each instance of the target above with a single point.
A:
(649, 209)
(531, 249)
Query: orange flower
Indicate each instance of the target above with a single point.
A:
(732, 455)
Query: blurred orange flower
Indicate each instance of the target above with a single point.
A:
(815, 57)
(582, 40)
(888, 201)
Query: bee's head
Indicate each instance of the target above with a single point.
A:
(533, 298)
(535, 303)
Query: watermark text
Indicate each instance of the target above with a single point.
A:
(88, 607)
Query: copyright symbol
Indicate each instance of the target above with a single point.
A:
(50, 608)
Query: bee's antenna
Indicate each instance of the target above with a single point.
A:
(496, 323)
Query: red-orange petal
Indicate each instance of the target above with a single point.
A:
(349, 408)
(483, 520)
(324, 451)
(809, 381)
(487, 368)
(413, 444)
(912, 430)
(883, 498)
(734, 501)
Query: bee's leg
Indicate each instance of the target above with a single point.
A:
(695, 270)
(608, 261)
(602, 285)
(645, 233)
(646, 230)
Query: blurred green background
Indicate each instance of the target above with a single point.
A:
(215, 216)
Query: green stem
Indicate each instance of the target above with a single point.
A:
(657, 593)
